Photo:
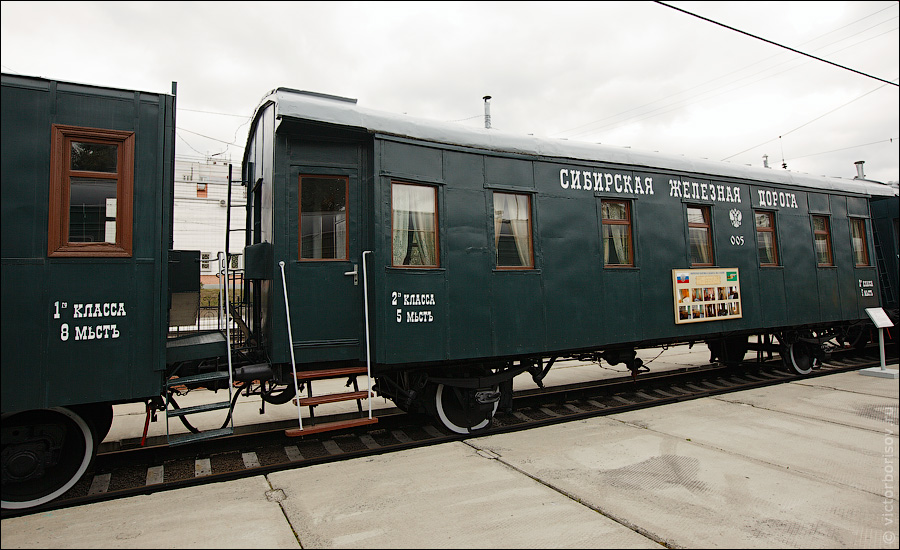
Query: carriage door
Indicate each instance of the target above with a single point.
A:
(328, 293)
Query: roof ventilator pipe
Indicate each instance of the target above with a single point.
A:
(487, 111)
(859, 170)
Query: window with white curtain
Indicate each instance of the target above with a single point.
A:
(512, 230)
(617, 246)
(414, 239)
(822, 240)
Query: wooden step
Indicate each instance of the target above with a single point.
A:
(331, 398)
(329, 426)
(330, 373)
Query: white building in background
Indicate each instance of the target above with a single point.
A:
(201, 205)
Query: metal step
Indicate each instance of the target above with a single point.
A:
(181, 439)
(196, 378)
(196, 346)
(198, 408)
(329, 426)
(331, 398)
(330, 373)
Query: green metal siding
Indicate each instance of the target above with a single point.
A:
(467, 253)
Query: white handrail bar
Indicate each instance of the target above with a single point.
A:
(287, 314)
(223, 261)
(366, 309)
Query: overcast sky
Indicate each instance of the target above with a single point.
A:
(639, 74)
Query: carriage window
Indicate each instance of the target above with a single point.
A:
(858, 241)
(617, 248)
(91, 186)
(700, 235)
(323, 218)
(512, 230)
(765, 238)
(822, 240)
(414, 239)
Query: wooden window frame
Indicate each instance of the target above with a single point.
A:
(827, 233)
(865, 244)
(625, 222)
(532, 266)
(707, 225)
(772, 231)
(346, 180)
(437, 230)
(61, 138)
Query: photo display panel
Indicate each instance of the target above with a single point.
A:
(712, 294)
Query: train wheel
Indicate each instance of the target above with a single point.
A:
(100, 418)
(459, 412)
(45, 453)
(800, 357)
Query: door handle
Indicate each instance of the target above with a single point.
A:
(355, 274)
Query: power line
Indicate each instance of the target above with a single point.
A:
(208, 137)
(696, 98)
(186, 143)
(776, 43)
(462, 119)
(807, 123)
(212, 113)
(889, 140)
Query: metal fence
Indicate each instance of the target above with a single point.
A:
(211, 315)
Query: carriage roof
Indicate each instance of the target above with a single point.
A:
(341, 111)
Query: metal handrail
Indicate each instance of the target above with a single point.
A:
(287, 314)
(366, 309)
(223, 259)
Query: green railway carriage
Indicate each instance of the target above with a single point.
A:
(86, 202)
(486, 254)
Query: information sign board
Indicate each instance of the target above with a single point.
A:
(711, 294)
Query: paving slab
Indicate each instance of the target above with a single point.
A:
(233, 514)
(444, 496)
(712, 473)
(789, 441)
(846, 398)
(856, 382)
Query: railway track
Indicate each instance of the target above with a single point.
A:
(262, 449)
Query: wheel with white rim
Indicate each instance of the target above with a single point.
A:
(45, 453)
(458, 416)
(800, 357)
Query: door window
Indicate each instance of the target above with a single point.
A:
(323, 218)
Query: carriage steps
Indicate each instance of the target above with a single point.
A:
(180, 439)
(312, 401)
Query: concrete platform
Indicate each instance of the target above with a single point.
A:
(224, 515)
(811, 464)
